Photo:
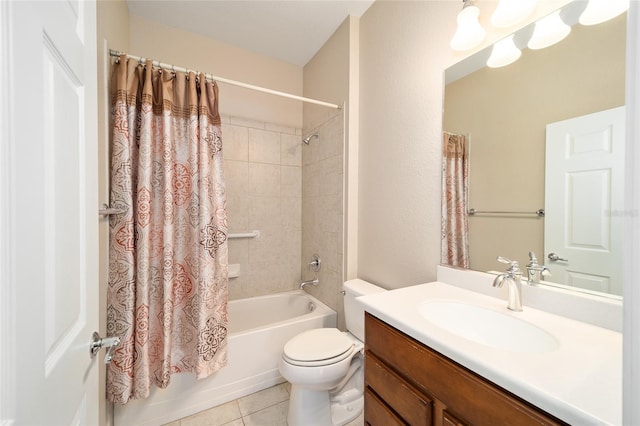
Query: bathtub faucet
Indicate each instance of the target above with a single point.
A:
(314, 282)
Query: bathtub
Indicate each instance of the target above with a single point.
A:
(258, 329)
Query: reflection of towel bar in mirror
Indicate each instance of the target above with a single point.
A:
(473, 212)
(252, 234)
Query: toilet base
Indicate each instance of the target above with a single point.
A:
(314, 408)
(323, 408)
(341, 414)
(309, 408)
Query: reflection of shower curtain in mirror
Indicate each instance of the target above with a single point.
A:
(455, 194)
(167, 291)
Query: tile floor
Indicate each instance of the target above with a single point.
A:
(264, 408)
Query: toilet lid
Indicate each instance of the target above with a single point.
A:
(318, 344)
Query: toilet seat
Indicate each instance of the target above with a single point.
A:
(318, 347)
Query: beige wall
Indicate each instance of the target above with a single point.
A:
(404, 49)
(112, 32)
(505, 111)
(182, 48)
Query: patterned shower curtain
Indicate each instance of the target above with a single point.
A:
(455, 194)
(167, 291)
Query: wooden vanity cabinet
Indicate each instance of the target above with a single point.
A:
(407, 383)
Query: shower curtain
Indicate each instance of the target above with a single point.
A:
(168, 284)
(455, 194)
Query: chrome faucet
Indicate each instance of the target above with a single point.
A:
(513, 276)
(314, 282)
(535, 272)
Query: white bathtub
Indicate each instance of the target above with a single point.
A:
(258, 329)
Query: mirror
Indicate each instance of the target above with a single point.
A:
(503, 114)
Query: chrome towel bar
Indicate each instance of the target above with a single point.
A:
(473, 212)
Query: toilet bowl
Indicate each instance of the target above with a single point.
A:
(324, 367)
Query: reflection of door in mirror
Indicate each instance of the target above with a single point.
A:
(584, 200)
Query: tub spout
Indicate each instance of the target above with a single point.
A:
(314, 282)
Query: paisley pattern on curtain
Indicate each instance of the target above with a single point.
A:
(168, 279)
(455, 195)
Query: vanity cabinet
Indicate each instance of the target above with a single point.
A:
(406, 382)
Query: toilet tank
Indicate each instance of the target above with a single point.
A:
(353, 310)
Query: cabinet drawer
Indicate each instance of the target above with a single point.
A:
(413, 407)
(449, 419)
(376, 412)
(471, 396)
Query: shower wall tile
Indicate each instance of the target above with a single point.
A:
(263, 180)
(291, 213)
(281, 129)
(322, 210)
(237, 189)
(236, 142)
(247, 122)
(291, 149)
(291, 181)
(264, 146)
(264, 214)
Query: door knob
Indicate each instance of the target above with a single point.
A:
(98, 343)
(554, 258)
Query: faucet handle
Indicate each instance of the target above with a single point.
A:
(513, 268)
(511, 263)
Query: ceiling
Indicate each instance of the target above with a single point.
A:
(288, 30)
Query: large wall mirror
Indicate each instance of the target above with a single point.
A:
(544, 145)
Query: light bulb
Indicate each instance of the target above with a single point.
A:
(469, 33)
(599, 11)
(510, 12)
(504, 53)
(548, 31)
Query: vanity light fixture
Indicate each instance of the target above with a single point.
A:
(469, 33)
(510, 12)
(504, 53)
(548, 31)
(598, 11)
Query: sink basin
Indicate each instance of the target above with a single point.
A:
(487, 327)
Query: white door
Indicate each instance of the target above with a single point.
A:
(584, 186)
(49, 212)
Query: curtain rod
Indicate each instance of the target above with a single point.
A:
(228, 81)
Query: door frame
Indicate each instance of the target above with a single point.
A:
(631, 256)
(7, 331)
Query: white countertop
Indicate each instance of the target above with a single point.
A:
(580, 382)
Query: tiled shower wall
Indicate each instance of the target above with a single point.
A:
(323, 210)
(263, 172)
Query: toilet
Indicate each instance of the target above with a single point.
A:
(324, 367)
